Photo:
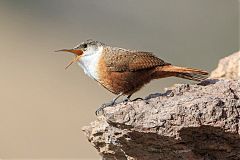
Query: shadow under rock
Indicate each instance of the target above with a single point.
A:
(196, 143)
(212, 142)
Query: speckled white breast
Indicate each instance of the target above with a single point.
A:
(89, 62)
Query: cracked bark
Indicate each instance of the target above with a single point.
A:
(199, 121)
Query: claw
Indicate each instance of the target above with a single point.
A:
(137, 99)
(110, 104)
(100, 109)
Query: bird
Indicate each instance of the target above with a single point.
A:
(124, 71)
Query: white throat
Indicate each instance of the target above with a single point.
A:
(89, 62)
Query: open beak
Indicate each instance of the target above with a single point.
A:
(77, 52)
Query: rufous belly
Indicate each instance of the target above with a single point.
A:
(123, 82)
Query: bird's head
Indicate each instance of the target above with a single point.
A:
(84, 49)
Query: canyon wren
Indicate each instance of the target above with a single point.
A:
(122, 71)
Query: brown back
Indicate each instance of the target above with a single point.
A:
(120, 60)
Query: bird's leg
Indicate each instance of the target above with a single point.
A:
(111, 103)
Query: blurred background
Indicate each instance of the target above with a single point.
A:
(43, 106)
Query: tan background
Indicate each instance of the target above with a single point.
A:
(43, 107)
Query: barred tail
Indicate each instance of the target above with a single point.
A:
(182, 72)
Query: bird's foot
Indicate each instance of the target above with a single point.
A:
(139, 98)
(104, 105)
(110, 104)
(126, 100)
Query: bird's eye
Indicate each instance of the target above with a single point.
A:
(84, 45)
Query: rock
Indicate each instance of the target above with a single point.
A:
(194, 122)
(228, 67)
